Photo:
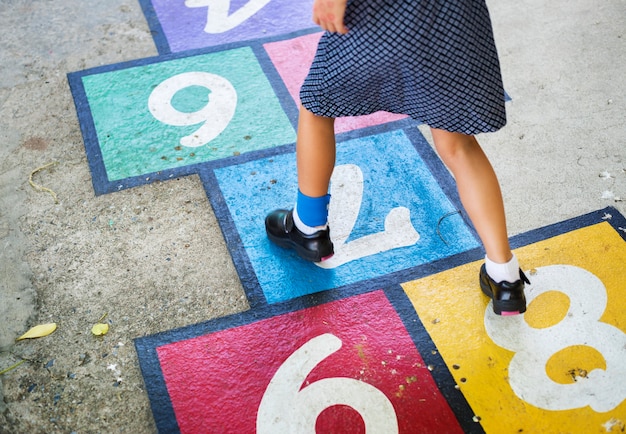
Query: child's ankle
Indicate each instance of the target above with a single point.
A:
(304, 228)
(499, 272)
(311, 213)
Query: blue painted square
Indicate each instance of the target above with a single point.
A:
(194, 92)
(394, 174)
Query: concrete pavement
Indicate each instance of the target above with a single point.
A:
(153, 257)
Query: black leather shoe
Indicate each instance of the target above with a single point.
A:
(508, 298)
(282, 231)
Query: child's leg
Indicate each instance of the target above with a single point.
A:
(304, 228)
(315, 153)
(500, 278)
(478, 188)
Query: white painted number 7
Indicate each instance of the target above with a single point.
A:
(347, 190)
(288, 407)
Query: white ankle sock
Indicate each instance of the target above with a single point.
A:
(501, 272)
(307, 230)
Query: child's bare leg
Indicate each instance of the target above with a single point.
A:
(315, 153)
(478, 188)
(305, 228)
(500, 277)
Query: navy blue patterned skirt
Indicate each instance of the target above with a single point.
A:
(434, 60)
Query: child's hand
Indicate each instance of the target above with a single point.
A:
(328, 14)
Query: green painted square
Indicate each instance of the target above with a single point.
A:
(134, 142)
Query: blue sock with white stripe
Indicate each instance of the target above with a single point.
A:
(311, 213)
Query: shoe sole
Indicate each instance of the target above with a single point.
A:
(307, 255)
(504, 307)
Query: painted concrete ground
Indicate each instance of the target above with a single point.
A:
(392, 334)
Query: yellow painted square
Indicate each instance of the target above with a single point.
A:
(457, 315)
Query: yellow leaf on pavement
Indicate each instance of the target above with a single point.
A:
(38, 331)
(100, 329)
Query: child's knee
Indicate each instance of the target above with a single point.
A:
(453, 147)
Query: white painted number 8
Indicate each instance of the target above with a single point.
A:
(602, 390)
(214, 116)
(287, 407)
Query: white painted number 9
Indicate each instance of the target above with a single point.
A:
(214, 116)
(288, 407)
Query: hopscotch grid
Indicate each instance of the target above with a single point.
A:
(161, 404)
(260, 309)
(156, 388)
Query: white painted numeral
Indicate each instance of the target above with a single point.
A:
(218, 18)
(602, 390)
(346, 188)
(289, 406)
(214, 116)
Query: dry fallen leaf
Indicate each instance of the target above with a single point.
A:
(38, 331)
(39, 187)
(100, 329)
(4, 371)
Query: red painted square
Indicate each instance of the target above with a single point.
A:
(216, 382)
(293, 57)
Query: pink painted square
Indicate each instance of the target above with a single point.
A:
(292, 59)
(346, 366)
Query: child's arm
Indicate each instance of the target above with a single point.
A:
(328, 14)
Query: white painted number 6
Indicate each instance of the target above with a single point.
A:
(288, 407)
(214, 116)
